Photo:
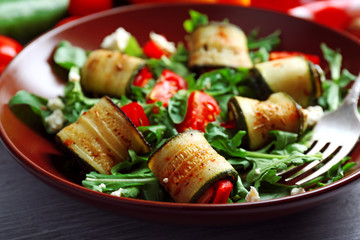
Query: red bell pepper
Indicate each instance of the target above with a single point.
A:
(136, 114)
(217, 193)
(285, 54)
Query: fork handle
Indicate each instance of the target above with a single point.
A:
(352, 97)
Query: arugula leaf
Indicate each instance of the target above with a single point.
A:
(334, 90)
(132, 178)
(133, 48)
(260, 47)
(36, 103)
(158, 115)
(224, 83)
(153, 134)
(268, 42)
(31, 109)
(177, 106)
(68, 56)
(196, 18)
(177, 63)
(76, 103)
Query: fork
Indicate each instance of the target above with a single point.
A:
(335, 135)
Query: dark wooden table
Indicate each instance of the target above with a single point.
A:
(30, 209)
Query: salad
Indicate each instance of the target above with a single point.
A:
(212, 120)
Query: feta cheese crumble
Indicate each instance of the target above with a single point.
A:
(312, 115)
(117, 193)
(163, 43)
(74, 76)
(55, 121)
(55, 103)
(257, 171)
(253, 195)
(118, 40)
(295, 191)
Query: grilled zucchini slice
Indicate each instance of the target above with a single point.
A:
(218, 44)
(109, 72)
(296, 76)
(257, 118)
(187, 166)
(102, 136)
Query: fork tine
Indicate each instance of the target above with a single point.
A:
(343, 152)
(303, 170)
(331, 149)
(317, 146)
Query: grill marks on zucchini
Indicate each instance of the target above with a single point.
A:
(218, 44)
(107, 72)
(102, 136)
(278, 112)
(187, 166)
(295, 76)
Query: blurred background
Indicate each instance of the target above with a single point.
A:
(23, 20)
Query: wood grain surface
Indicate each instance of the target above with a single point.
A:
(30, 209)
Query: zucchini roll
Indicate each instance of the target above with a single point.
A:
(296, 76)
(102, 136)
(108, 72)
(218, 45)
(257, 118)
(187, 166)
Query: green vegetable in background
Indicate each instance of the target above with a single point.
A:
(25, 19)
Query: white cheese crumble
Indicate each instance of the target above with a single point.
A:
(295, 191)
(253, 195)
(55, 121)
(118, 40)
(55, 103)
(117, 193)
(163, 43)
(165, 180)
(74, 76)
(313, 114)
(257, 171)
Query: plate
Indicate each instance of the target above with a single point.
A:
(34, 71)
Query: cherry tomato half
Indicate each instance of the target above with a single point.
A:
(136, 114)
(143, 77)
(202, 109)
(284, 54)
(9, 48)
(86, 7)
(152, 50)
(166, 87)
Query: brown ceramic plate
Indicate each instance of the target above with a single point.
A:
(33, 71)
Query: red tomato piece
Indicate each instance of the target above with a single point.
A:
(166, 87)
(85, 7)
(284, 54)
(136, 114)
(152, 50)
(217, 193)
(9, 48)
(143, 77)
(202, 109)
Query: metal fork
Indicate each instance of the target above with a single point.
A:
(335, 135)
